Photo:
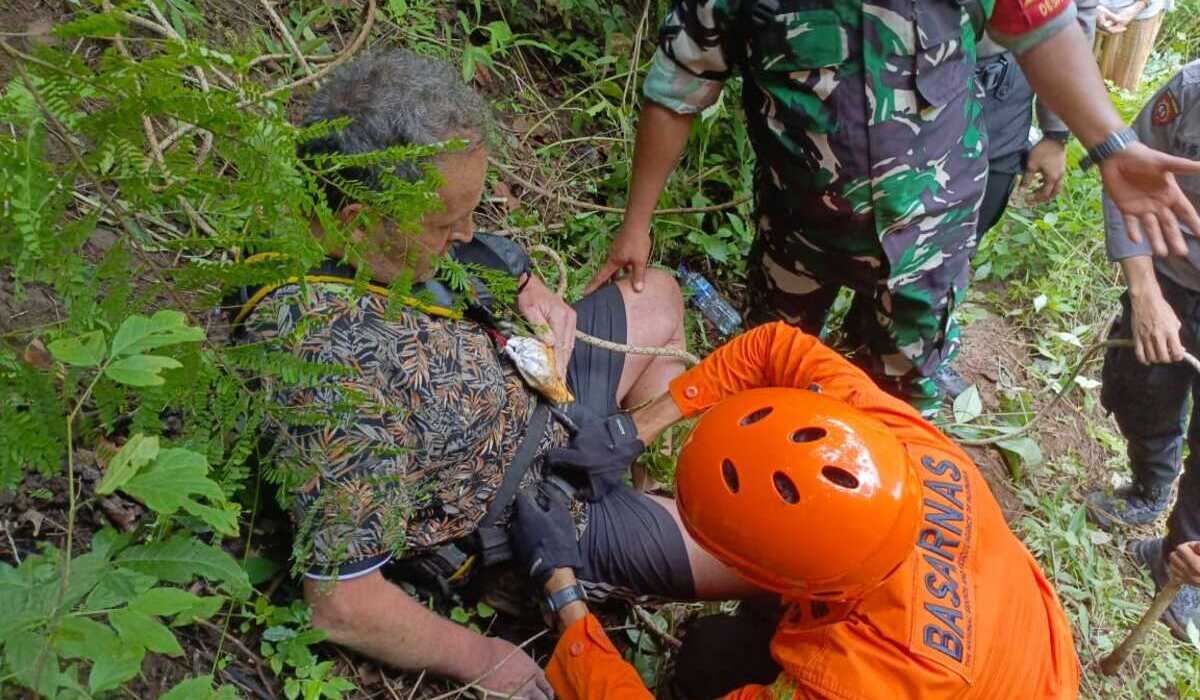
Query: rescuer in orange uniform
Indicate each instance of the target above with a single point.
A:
(900, 576)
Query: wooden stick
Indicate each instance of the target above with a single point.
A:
(1112, 663)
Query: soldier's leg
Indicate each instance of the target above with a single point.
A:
(783, 285)
(913, 332)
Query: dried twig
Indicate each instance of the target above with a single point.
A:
(647, 620)
(287, 36)
(579, 203)
(342, 57)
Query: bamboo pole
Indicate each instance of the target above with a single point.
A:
(1110, 664)
(1122, 57)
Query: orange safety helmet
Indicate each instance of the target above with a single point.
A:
(803, 494)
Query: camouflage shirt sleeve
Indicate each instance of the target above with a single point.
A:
(1020, 25)
(692, 61)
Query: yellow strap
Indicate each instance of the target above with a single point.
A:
(376, 289)
(461, 574)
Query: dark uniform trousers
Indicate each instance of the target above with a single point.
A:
(1150, 404)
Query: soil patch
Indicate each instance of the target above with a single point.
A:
(996, 357)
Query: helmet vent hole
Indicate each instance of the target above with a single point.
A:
(786, 488)
(730, 475)
(839, 477)
(808, 434)
(757, 415)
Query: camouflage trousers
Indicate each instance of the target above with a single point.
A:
(904, 300)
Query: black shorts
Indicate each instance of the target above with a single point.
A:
(631, 546)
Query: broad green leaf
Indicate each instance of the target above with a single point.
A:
(85, 350)
(28, 593)
(84, 638)
(118, 587)
(204, 608)
(137, 628)
(111, 670)
(199, 688)
(182, 558)
(259, 569)
(164, 601)
(108, 542)
(134, 454)
(33, 663)
(1020, 452)
(138, 334)
(141, 370)
(86, 571)
(173, 482)
(968, 405)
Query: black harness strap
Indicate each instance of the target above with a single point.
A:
(493, 540)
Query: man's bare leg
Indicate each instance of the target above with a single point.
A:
(713, 580)
(653, 318)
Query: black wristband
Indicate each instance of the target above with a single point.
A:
(565, 596)
(1057, 136)
(524, 283)
(1110, 146)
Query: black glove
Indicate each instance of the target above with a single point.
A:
(543, 537)
(602, 450)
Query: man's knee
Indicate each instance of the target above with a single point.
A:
(660, 300)
(663, 287)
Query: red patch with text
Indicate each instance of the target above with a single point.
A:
(1017, 17)
(1165, 109)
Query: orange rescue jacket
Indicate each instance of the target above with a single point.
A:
(969, 615)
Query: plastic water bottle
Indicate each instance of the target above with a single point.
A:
(711, 304)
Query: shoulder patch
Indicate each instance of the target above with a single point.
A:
(1165, 110)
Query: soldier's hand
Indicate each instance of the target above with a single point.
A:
(629, 253)
(1049, 160)
(1155, 329)
(1141, 182)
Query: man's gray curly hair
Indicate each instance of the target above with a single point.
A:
(394, 98)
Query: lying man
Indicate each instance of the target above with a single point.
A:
(901, 577)
(422, 464)
(1147, 387)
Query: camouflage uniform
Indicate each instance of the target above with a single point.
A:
(866, 120)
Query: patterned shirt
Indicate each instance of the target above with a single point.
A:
(403, 448)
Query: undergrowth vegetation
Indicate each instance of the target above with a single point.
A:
(148, 149)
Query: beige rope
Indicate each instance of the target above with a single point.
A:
(1087, 357)
(679, 354)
